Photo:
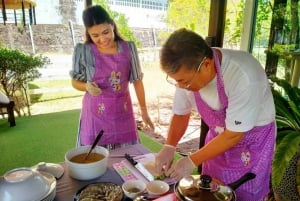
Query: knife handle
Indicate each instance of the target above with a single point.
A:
(130, 159)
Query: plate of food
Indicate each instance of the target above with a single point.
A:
(105, 191)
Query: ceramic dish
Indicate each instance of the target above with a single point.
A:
(134, 187)
(101, 190)
(16, 183)
(52, 191)
(90, 170)
(157, 187)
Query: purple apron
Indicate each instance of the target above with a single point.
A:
(253, 153)
(112, 110)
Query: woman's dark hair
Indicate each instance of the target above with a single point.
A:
(183, 47)
(95, 15)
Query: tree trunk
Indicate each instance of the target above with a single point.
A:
(294, 39)
(276, 33)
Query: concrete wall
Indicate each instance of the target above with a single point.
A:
(56, 38)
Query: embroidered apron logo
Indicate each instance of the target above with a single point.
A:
(101, 108)
(115, 80)
(245, 157)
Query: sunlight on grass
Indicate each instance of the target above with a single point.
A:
(49, 83)
(45, 90)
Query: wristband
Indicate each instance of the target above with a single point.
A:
(189, 157)
(170, 146)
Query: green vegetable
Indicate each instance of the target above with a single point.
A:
(160, 177)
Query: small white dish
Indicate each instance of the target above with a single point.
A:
(133, 188)
(157, 187)
(56, 170)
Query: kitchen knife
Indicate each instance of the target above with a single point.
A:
(139, 167)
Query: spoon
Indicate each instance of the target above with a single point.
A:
(141, 198)
(94, 144)
(146, 197)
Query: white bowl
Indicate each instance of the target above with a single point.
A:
(157, 187)
(86, 171)
(23, 184)
(133, 188)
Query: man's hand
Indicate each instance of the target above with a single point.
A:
(164, 158)
(93, 88)
(183, 167)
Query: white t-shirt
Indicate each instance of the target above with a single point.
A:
(250, 101)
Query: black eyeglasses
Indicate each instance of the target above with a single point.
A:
(175, 83)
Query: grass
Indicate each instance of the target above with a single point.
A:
(49, 83)
(45, 90)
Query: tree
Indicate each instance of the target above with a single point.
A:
(234, 22)
(191, 14)
(67, 9)
(16, 70)
(275, 37)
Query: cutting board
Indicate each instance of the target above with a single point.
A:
(127, 171)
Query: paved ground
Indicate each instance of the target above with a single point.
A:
(158, 93)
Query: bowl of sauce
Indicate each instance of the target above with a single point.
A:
(94, 166)
(81, 158)
(133, 188)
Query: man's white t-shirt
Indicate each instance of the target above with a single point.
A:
(250, 101)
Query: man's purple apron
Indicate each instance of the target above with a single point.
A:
(253, 154)
(112, 111)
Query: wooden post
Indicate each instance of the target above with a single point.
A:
(30, 14)
(88, 3)
(216, 23)
(4, 12)
(23, 12)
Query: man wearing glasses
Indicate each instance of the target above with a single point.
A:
(230, 90)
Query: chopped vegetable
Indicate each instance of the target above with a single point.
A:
(160, 177)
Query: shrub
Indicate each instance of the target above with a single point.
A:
(16, 70)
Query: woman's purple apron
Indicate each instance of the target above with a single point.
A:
(253, 153)
(112, 111)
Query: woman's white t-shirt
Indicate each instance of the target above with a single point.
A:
(250, 101)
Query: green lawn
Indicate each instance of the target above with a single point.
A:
(45, 90)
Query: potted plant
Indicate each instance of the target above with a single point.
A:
(285, 183)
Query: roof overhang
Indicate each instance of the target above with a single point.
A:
(17, 4)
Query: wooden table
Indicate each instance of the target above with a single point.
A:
(67, 187)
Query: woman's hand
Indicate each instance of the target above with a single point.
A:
(93, 88)
(146, 118)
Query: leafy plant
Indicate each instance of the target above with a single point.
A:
(16, 70)
(287, 99)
